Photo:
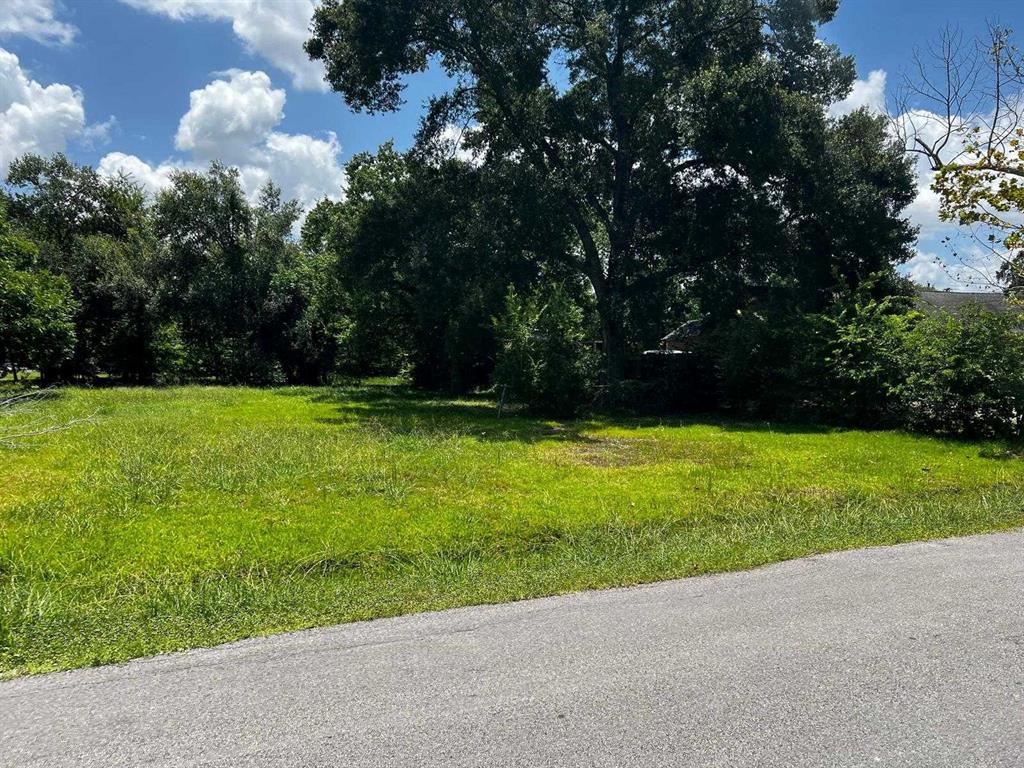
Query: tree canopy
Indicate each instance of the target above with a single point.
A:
(37, 327)
(675, 136)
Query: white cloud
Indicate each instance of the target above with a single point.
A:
(36, 20)
(453, 142)
(151, 178)
(306, 168)
(233, 120)
(971, 269)
(928, 269)
(868, 93)
(924, 211)
(34, 117)
(273, 30)
(99, 133)
(229, 116)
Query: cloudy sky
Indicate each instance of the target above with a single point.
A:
(149, 85)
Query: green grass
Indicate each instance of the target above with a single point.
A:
(188, 517)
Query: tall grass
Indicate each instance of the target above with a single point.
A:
(184, 517)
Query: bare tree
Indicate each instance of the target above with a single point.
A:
(960, 108)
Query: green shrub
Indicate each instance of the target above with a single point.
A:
(543, 357)
(756, 358)
(963, 374)
(877, 362)
(856, 361)
(37, 326)
(170, 356)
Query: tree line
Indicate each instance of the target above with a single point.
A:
(430, 266)
(599, 173)
(200, 283)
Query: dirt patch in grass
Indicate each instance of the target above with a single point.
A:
(601, 453)
(620, 452)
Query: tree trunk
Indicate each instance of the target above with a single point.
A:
(611, 305)
(614, 348)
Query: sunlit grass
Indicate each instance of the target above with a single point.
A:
(192, 516)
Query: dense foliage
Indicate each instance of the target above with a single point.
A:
(448, 270)
(199, 284)
(425, 252)
(875, 363)
(964, 375)
(544, 361)
(37, 330)
(223, 258)
(680, 140)
(621, 167)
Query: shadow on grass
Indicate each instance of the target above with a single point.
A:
(991, 448)
(402, 410)
(1003, 451)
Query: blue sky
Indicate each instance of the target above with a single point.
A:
(148, 85)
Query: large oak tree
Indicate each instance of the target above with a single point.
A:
(682, 138)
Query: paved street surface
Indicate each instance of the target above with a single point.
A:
(905, 656)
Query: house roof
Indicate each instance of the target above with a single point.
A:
(948, 301)
(928, 300)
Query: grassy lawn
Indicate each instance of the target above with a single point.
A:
(188, 517)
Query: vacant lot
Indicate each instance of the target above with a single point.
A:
(187, 517)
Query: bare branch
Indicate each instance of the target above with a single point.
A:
(963, 110)
(28, 423)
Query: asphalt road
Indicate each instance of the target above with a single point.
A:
(905, 656)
